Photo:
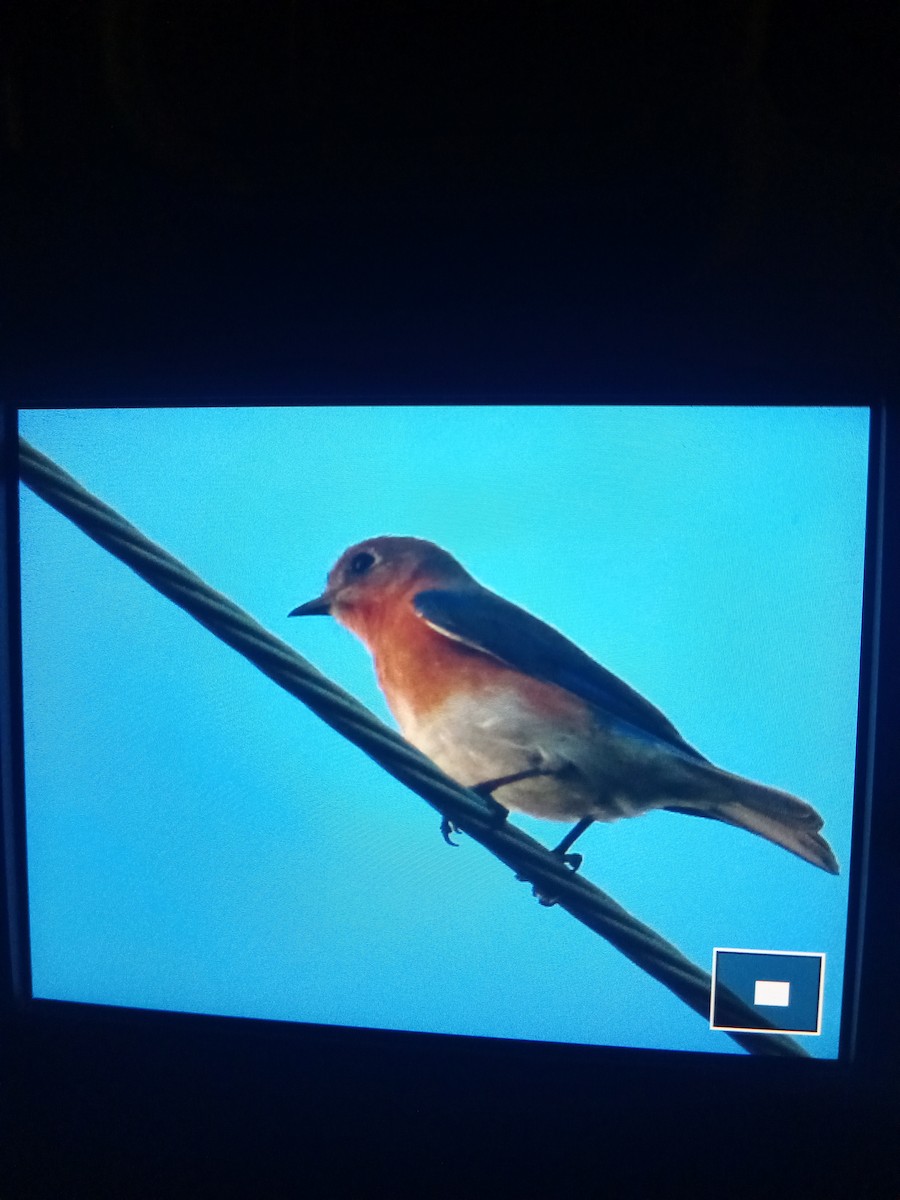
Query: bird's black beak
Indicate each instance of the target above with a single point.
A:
(320, 607)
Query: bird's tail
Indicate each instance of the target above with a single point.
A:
(775, 815)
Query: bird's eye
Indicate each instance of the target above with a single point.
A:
(361, 562)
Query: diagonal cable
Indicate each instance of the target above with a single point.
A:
(528, 858)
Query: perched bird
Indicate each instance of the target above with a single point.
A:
(504, 704)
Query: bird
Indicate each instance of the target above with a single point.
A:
(507, 705)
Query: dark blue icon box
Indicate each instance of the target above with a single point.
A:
(783, 988)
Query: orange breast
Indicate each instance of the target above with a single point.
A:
(419, 669)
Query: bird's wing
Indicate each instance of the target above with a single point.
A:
(486, 622)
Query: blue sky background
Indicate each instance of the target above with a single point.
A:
(199, 841)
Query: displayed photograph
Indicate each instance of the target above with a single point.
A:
(632, 631)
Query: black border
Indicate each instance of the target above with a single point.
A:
(867, 726)
(14, 929)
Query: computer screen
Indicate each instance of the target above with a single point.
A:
(198, 841)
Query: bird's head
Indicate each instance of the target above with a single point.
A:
(378, 572)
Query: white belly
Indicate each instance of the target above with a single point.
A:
(479, 740)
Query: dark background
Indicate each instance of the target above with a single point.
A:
(540, 194)
(233, 199)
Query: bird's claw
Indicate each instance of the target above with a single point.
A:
(496, 810)
(572, 861)
(447, 829)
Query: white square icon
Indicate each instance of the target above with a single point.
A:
(774, 993)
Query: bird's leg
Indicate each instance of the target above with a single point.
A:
(491, 785)
(572, 860)
(486, 790)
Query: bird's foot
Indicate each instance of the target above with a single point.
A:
(497, 812)
(447, 830)
(572, 861)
